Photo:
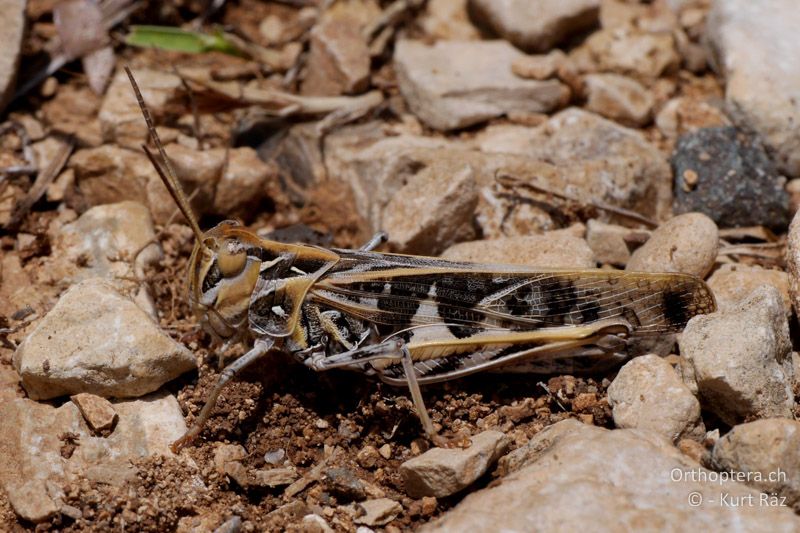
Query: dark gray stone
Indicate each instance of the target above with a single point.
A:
(343, 483)
(735, 181)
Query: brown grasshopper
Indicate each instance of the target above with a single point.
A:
(413, 320)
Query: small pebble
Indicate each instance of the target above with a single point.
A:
(275, 477)
(275, 457)
(98, 412)
(367, 457)
(377, 512)
(442, 472)
(385, 451)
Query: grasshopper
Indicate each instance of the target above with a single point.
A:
(412, 320)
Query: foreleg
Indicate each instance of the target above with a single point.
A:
(260, 348)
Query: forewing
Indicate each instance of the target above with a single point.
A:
(403, 291)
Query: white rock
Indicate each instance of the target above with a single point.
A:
(793, 261)
(575, 477)
(228, 453)
(441, 472)
(109, 174)
(433, 210)
(591, 158)
(619, 98)
(648, 394)
(448, 20)
(608, 242)
(598, 160)
(275, 477)
(632, 52)
(38, 463)
(685, 114)
(11, 32)
(104, 242)
(740, 359)
(535, 25)
(377, 512)
(539, 67)
(733, 283)
(768, 452)
(121, 119)
(244, 184)
(98, 412)
(96, 340)
(313, 523)
(455, 84)
(551, 250)
(374, 162)
(687, 243)
(755, 45)
(338, 59)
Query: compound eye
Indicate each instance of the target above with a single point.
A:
(231, 259)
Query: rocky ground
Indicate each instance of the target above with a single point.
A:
(655, 136)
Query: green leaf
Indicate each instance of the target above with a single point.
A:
(179, 40)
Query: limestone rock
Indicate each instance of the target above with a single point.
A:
(753, 44)
(686, 243)
(433, 210)
(98, 412)
(575, 477)
(685, 114)
(793, 261)
(539, 67)
(441, 472)
(632, 52)
(95, 340)
(228, 453)
(45, 448)
(275, 477)
(103, 242)
(110, 174)
(454, 84)
(602, 160)
(619, 98)
(609, 242)
(590, 157)
(740, 359)
(120, 117)
(648, 394)
(768, 451)
(338, 60)
(733, 283)
(11, 33)
(448, 20)
(551, 250)
(377, 512)
(244, 184)
(535, 25)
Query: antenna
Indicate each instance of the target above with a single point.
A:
(165, 172)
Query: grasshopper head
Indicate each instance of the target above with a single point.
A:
(222, 277)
